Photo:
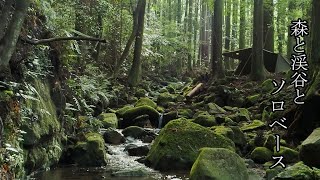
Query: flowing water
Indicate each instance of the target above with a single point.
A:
(120, 166)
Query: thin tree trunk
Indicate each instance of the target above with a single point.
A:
(135, 72)
(243, 25)
(5, 16)
(228, 30)
(268, 28)
(190, 15)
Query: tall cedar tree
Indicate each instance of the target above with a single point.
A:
(257, 65)
(216, 41)
(228, 30)
(242, 35)
(135, 72)
(268, 26)
(190, 35)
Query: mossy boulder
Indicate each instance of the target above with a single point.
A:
(164, 98)
(289, 155)
(256, 124)
(242, 114)
(239, 137)
(261, 155)
(270, 142)
(218, 163)
(146, 101)
(140, 93)
(91, 151)
(109, 120)
(112, 136)
(178, 142)
(132, 113)
(254, 98)
(298, 171)
(224, 131)
(205, 120)
(310, 148)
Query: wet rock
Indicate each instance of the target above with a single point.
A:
(134, 131)
(141, 121)
(218, 163)
(134, 150)
(138, 172)
(120, 112)
(167, 117)
(109, 120)
(91, 151)
(256, 124)
(289, 155)
(178, 142)
(148, 139)
(112, 136)
(132, 113)
(205, 120)
(146, 101)
(298, 171)
(310, 148)
(261, 155)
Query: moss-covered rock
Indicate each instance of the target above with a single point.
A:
(140, 93)
(267, 86)
(218, 163)
(215, 109)
(132, 113)
(164, 98)
(298, 171)
(120, 112)
(205, 120)
(178, 142)
(289, 155)
(254, 98)
(109, 120)
(91, 151)
(270, 142)
(112, 136)
(239, 137)
(261, 155)
(146, 101)
(242, 114)
(224, 131)
(256, 124)
(310, 148)
(186, 113)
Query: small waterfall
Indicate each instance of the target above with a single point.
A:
(160, 120)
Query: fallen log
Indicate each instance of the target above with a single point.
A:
(195, 91)
(45, 41)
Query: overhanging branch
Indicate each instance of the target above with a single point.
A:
(45, 41)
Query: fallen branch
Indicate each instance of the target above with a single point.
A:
(195, 91)
(45, 41)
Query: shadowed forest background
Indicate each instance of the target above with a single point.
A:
(156, 89)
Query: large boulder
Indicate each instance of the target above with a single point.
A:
(205, 120)
(178, 142)
(109, 120)
(134, 131)
(130, 114)
(261, 154)
(310, 148)
(165, 98)
(218, 163)
(91, 151)
(298, 171)
(112, 136)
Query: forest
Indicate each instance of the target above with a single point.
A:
(160, 89)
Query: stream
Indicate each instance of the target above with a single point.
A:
(120, 166)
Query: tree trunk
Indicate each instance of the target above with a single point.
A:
(216, 41)
(291, 40)
(135, 72)
(195, 31)
(228, 30)
(268, 28)
(242, 35)
(8, 43)
(190, 36)
(5, 16)
(257, 65)
(235, 30)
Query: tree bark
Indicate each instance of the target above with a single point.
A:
(228, 31)
(190, 36)
(257, 65)
(216, 41)
(5, 16)
(135, 72)
(242, 35)
(268, 28)
(8, 43)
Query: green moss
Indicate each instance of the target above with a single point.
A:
(164, 98)
(267, 86)
(109, 120)
(141, 93)
(256, 124)
(43, 119)
(254, 98)
(186, 113)
(261, 155)
(177, 145)
(132, 113)
(218, 163)
(91, 151)
(205, 120)
(215, 109)
(270, 142)
(146, 101)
